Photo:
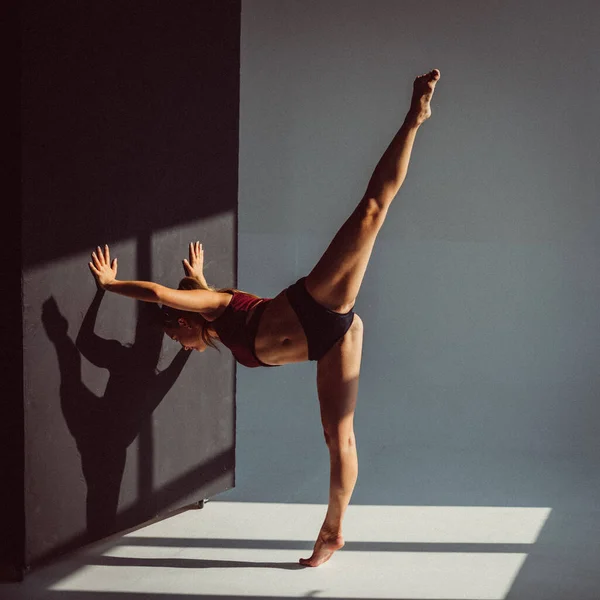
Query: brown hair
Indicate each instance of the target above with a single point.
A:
(170, 315)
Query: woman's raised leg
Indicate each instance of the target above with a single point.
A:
(336, 279)
(337, 385)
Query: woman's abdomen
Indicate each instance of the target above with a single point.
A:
(280, 338)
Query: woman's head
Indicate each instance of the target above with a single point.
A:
(190, 329)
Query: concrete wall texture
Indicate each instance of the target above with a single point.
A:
(480, 383)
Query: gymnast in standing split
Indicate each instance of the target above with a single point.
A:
(313, 319)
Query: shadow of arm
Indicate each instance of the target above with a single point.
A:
(99, 351)
(167, 377)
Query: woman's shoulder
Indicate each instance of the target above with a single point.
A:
(225, 299)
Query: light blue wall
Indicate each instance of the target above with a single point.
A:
(480, 382)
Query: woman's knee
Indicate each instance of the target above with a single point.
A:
(338, 440)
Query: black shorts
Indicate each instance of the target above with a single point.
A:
(323, 327)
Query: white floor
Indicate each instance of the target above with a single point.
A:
(250, 550)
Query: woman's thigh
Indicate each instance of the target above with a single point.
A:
(336, 279)
(337, 382)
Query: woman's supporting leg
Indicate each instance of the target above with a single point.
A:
(336, 279)
(337, 386)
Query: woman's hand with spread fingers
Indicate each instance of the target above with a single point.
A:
(194, 267)
(101, 267)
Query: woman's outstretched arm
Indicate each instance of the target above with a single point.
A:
(105, 273)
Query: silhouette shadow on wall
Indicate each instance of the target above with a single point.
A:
(104, 427)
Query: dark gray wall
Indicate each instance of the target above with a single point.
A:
(12, 521)
(130, 137)
(480, 381)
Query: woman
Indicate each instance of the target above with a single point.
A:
(311, 320)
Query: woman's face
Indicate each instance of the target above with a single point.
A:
(188, 334)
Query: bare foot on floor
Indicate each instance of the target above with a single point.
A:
(423, 88)
(324, 548)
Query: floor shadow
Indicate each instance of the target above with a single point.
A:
(191, 563)
(104, 427)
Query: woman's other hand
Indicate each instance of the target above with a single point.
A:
(194, 267)
(102, 269)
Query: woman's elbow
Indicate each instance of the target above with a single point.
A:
(158, 294)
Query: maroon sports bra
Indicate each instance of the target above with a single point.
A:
(237, 332)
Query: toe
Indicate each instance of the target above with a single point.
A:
(433, 76)
(306, 562)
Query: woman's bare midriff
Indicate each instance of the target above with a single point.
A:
(280, 338)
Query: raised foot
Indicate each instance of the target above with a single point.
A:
(423, 88)
(324, 548)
